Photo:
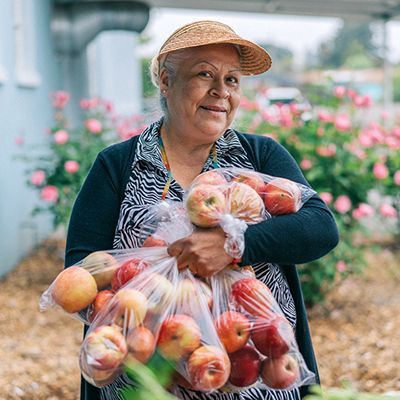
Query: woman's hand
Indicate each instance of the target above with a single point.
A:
(202, 252)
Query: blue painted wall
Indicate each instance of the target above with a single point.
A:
(24, 112)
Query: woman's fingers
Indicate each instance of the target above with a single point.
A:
(175, 249)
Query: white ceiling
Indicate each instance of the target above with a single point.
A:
(370, 9)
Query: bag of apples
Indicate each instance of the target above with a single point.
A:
(126, 328)
(233, 198)
(258, 338)
(164, 311)
(160, 310)
(84, 288)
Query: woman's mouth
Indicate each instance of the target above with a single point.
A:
(214, 109)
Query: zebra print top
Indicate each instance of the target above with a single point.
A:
(145, 186)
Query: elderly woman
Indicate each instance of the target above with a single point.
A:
(198, 72)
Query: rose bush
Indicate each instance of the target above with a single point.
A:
(344, 159)
(58, 168)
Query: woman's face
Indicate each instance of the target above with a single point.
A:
(203, 98)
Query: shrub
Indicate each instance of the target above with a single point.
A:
(57, 169)
(343, 159)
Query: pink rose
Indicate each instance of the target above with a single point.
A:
(38, 177)
(85, 104)
(325, 116)
(109, 106)
(19, 140)
(342, 123)
(93, 125)
(362, 211)
(326, 151)
(342, 204)
(392, 142)
(341, 266)
(286, 119)
(385, 115)
(367, 101)
(358, 101)
(396, 132)
(60, 99)
(306, 164)
(396, 177)
(351, 93)
(61, 136)
(387, 210)
(49, 193)
(326, 197)
(71, 166)
(380, 171)
(339, 91)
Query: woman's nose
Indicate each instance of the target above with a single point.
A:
(220, 90)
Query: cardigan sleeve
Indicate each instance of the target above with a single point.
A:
(295, 238)
(96, 210)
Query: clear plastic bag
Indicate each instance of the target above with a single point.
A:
(258, 338)
(84, 288)
(233, 198)
(126, 328)
(165, 223)
(161, 310)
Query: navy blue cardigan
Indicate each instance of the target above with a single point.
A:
(285, 240)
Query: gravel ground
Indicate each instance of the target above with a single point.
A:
(354, 333)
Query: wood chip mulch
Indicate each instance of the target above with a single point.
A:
(356, 333)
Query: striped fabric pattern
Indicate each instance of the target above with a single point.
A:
(144, 188)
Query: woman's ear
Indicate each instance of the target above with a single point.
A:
(164, 81)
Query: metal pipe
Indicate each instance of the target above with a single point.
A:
(75, 25)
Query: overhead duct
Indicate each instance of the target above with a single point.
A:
(75, 25)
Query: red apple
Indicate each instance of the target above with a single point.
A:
(208, 368)
(280, 373)
(245, 366)
(272, 337)
(254, 296)
(102, 266)
(233, 329)
(153, 241)
(105, 348)
(141, 344)
(179, 336)
(282, 196)
(206, 204)
(252, 179)
(101, 300)
(245, 203)
(74, 289)
(211, 178)
(127, 271)
(131, 307)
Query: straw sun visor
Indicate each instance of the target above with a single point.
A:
(254, 59)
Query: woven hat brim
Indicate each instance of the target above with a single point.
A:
(254, 60)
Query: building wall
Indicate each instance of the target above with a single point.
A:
(25, 112)
(115, 71)
(30, 70)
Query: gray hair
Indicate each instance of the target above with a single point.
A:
(171, 63)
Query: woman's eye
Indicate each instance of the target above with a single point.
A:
(232, 79)
(206, 74)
